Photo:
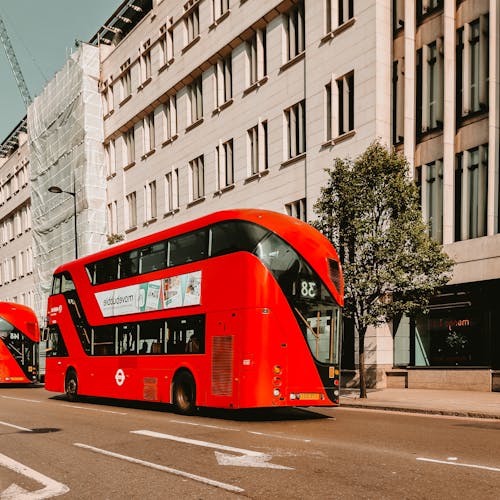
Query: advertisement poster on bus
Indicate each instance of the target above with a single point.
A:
(175, 291)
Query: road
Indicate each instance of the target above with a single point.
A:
(107, 449)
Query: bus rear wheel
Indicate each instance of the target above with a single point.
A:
(71, 386)
(184, 393)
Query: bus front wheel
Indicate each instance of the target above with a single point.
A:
(71, 386)
(184, 393)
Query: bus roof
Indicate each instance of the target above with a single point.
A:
(296, 232)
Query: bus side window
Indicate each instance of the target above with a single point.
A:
(189, 247)
(129, 264)
(152, 258)
(56, 346)
(56, 285)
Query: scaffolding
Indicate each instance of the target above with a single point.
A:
(66, 150)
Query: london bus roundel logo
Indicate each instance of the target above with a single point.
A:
(119, 377)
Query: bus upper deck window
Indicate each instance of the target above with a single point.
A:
(67, 284)
(56, 285)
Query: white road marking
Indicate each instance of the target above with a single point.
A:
(14, 492)
(194, 477)
(205, 425)
(249, 458)
(16, 427)
(95, 409)
(280, 437)
(22, 399)
(473, 466)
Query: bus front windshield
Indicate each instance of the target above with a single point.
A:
(316, 310)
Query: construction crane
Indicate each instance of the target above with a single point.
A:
(14, 64)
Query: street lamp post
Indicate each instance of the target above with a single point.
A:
(58, 190)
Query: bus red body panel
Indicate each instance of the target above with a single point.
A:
(19, 339)
(262, 312)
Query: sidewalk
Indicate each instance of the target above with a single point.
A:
(430, 401)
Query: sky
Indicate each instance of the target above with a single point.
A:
(43, 34)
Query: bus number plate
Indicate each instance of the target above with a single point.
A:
(308, 396)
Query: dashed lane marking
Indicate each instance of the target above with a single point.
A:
(458, 464)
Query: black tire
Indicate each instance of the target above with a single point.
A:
(184, 393)
(71, 386)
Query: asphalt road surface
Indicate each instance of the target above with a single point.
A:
(107, 449)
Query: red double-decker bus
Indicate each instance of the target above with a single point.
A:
(19, 339)
(238, 309)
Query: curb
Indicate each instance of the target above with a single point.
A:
(424, 411)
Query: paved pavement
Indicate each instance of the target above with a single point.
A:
(440, 402)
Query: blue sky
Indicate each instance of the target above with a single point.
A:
(43, 33)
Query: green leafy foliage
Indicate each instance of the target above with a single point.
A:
(370, 210)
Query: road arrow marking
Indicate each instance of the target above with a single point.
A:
(249, 459)
(201, 479)
(14, 492)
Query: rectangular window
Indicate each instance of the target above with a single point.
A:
(345, 89)
(345, 10)
(166, 44)
(225, 165)
(125, 81)
(145, 62)
(398, 101)
(108, 99)
(432, 198)
(471, 193)
(150, 205)
(219, 8)
(296, 129)
(256, 57)
(197, 179)
(257, 149)
(169, 118)
(192, 25)
(295, 30)
(430, 87)
(297, 209)
(131, 210)
(109, 152)
(426, 7)
(328, 112)
(148, 131)
(172, 190)
(129, 147)
(473, 67)
(112, 218)
(195, 93)
(223, 72)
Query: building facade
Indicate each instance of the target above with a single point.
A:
(214, 104)
(16, 252)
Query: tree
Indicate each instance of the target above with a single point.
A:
(370, 210)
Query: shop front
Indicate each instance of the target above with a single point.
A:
(457, 344)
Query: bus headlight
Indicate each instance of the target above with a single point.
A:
(276, 393)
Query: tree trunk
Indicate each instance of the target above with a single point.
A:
(362, 366)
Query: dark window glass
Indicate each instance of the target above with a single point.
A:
(127, 339)
(233, 236)
(129, 264)
(55, 345)
(189, 247)
(152, 258)
(103, 340)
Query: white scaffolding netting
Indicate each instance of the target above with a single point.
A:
(66, 150)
